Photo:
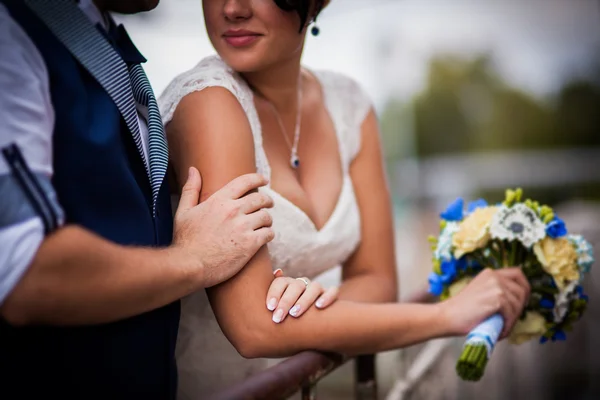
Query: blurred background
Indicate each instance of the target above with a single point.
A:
(473, 97)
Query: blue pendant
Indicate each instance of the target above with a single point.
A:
(295, 161)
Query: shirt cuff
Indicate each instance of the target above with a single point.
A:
(18, 245)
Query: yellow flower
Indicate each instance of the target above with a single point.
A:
(532, 327)
(559, 259)
(457, 286)
(473, 232)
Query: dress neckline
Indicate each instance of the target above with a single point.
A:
(345, 177)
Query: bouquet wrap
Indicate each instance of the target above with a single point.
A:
(517, 233)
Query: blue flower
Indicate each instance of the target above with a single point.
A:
(556, 228)
(454, 212)
(582, 295)
(559, 335)
(448, 268)
(462, 263)
(546, 303)
(543, 339)
(435, 284)
(474, 205)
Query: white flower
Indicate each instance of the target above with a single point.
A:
(585, 253)
(444, 245)
(562, 300)
(518, 222)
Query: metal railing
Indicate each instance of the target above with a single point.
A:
(302, 372)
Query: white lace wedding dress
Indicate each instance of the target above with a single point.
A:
(206, 361)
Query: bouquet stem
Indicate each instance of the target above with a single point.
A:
(478, 348)
(471, 363)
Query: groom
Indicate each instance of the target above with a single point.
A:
(89, 280)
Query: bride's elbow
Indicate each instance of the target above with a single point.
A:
(252, 344)
(249, 350)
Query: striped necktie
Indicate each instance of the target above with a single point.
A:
(158, 153)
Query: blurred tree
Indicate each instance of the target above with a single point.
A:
(576, 119)
(466, 107)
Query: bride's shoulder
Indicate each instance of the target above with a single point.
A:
(339, 82)
(347, 91)
(209, 72)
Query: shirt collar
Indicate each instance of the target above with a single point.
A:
(93, 13)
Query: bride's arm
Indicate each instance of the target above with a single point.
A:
(369, 275)
(210, 131)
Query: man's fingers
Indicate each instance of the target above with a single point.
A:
(328, 297)
(262, 236)
(260, 219)
(191, 191)
(254, 202)
(242, 185)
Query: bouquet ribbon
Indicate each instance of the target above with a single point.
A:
(478, 348)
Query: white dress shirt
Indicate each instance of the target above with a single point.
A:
(27, 120)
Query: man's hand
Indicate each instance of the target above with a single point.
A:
(224, 231)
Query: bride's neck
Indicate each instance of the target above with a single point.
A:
(279, 85)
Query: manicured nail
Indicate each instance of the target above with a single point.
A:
(277, 271)
(320, 303)
(278, 316)
(272, 303)
(295, 311)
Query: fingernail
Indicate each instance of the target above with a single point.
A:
(272, 303)
(277, 271)
(295, 310)
(320, 303)
(278, 316)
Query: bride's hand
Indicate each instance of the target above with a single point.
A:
(504, 291)
(294, 296)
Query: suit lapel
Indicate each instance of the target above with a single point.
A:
(75, 31)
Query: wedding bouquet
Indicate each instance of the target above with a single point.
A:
(513, 233)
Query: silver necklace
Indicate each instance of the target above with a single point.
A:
(294, 159)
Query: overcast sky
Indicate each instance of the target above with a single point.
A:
(386, 44)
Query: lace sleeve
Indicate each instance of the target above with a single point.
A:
(360, 105)
(350, 105)
(210, 72)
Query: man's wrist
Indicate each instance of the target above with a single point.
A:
(190, 266)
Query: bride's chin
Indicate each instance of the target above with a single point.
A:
(244, 63)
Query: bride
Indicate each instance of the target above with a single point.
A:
(315, 136)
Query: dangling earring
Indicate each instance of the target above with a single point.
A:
(315, 29)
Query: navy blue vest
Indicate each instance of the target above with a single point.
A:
(103, 186)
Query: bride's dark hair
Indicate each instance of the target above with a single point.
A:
(303, 7)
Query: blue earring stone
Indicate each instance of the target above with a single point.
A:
(315, 30)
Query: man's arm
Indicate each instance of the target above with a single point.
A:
(77, 277)
(68, 275)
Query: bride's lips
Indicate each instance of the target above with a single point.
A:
(240, 37)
